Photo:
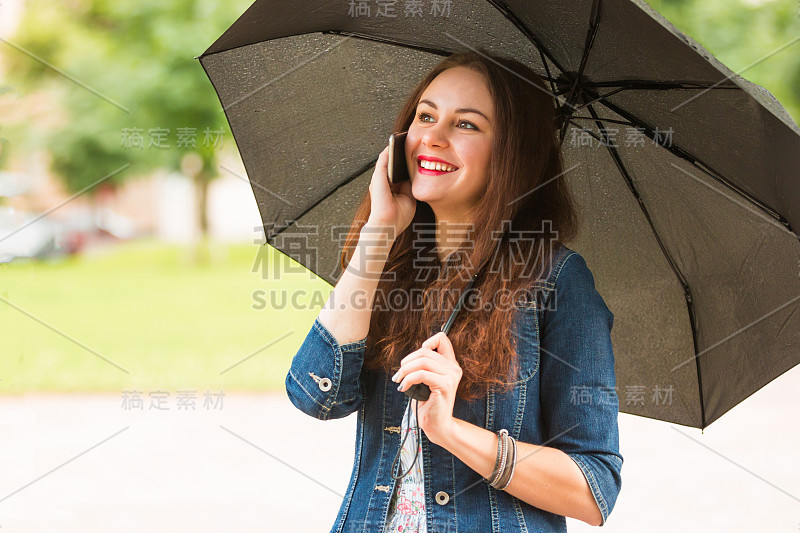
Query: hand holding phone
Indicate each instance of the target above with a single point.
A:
(390, 205)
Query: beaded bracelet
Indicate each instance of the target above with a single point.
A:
(512, 462)
(502, 457)
(506, 470)
(503, 437)
(506, 461)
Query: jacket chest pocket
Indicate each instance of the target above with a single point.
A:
(527, 338)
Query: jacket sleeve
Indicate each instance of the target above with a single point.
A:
(324, 380)
(578, 383)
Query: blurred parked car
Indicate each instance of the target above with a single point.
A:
(30, 235)
(22, 235)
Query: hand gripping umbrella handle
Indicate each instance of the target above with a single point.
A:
(420, 391)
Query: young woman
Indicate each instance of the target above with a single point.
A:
(529, 354)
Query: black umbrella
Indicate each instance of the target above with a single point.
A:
(686, 175)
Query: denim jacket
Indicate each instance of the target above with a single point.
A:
(564, 397)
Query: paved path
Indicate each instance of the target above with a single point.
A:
(84, 463)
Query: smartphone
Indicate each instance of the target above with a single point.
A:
(398, 169)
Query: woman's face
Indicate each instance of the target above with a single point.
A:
(453, 122)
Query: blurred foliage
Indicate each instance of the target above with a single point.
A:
(140, 56)
(739, 33)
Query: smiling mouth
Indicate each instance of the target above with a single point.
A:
(432, 172)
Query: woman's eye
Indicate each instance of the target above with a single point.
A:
(422, 116)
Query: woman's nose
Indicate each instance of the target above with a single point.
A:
(435, 135)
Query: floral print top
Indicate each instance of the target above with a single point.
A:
(407, 507)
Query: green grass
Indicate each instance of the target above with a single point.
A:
(150, 309)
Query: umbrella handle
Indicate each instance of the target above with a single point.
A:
(420, 391)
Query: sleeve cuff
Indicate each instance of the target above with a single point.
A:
(594, 485)
(324, 380)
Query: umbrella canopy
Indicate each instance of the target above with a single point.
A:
(686, 175)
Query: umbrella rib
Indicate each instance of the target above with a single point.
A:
(590, 132)
(512, 17)
(386, 40)
(698, 163)
(658, 85)
(587, 47)
(330, 193)
(549, 79)
(573, 118)
(572, 97)
(576, 108)
(544, 53)
(681, 279)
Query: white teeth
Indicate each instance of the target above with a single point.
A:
(431, 165)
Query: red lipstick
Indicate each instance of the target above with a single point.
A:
(433, 172)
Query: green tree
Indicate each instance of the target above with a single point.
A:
(134, 73)
(749, 37)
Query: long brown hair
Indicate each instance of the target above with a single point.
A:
(524, 192)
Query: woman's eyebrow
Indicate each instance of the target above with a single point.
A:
(459, 110)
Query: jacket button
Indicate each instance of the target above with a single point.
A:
(325, 384)
(442, 497)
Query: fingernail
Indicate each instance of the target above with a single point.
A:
(394, 378)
